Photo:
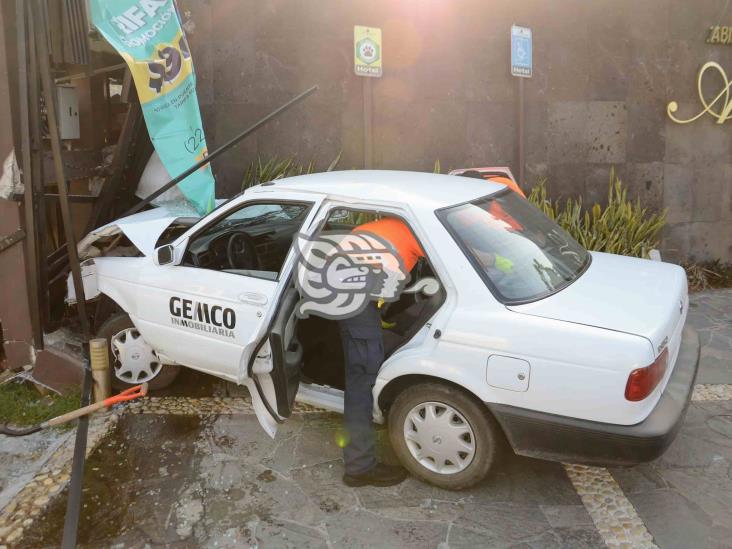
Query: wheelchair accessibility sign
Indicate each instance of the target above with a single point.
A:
(521, 63)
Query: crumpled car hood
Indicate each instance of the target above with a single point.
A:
(143, 229)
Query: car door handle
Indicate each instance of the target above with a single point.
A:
(253, 298)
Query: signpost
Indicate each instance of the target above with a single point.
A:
(521, 67)
(367, 52)
(521, 62)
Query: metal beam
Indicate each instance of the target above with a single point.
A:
(29, 211)
(12, 238)
(73, 505)
(36, 151)
(81, 75)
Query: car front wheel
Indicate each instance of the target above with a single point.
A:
(132, 361)
(443, 436)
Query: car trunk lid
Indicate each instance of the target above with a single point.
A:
(631, 295)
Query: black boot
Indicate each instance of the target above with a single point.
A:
(381, 475)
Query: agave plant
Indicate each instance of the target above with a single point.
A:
(260, 171)
(622, 227)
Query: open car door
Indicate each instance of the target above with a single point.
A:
(273, 375)
(219, 299)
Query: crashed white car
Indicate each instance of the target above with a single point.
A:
(569, 355)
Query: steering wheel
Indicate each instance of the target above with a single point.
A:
(241, 253)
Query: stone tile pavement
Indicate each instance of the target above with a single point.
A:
(166, 477)
(711, 314)
(221, 482)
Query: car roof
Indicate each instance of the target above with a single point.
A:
(417, 189)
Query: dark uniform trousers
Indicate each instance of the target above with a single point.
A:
(363, 350)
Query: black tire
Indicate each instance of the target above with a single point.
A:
(486, 431)
(111, 327)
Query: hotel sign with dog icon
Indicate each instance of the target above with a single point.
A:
(367, 51)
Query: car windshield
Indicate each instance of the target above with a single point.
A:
(520, 252)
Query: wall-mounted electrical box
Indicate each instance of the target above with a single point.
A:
(68, 112)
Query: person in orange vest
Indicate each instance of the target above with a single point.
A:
(363, 349)
(491, 260)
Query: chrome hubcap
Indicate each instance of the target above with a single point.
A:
(134, 360)
(439, 437)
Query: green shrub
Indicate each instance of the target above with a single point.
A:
(622, 227)
(276, 168)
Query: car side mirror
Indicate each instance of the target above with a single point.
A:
(165, 255)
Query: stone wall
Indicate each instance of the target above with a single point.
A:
(604, 72)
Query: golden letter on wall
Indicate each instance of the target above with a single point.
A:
(723, 98)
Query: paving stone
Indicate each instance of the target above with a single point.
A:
(466, 538)
(318, 440)
(283, 457)
(527, 481)
(508, 522)
(676, 522)
(696, 445)
(280, 533)
(566, 516)
(709, 488)
(684, 497)
(638, 479)
(361, 528)
(579, 538)
(322, 484)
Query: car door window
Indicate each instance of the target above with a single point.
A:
(252, 241)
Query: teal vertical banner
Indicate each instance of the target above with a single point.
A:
(148, 35)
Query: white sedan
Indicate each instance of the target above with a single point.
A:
(566, 354)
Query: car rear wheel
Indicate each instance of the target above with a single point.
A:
(443, 436)
(131, 360)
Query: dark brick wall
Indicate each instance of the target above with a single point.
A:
(604, 72)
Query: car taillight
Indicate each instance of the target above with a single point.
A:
(642, 381)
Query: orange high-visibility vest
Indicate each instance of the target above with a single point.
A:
(396, 233)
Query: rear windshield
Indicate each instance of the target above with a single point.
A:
(519, 252)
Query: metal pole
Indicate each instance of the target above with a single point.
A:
(39, 188)
(30, 219)
(73, 505)
(87, 74)
(521, 137)
(368, 143)
(219, 151)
